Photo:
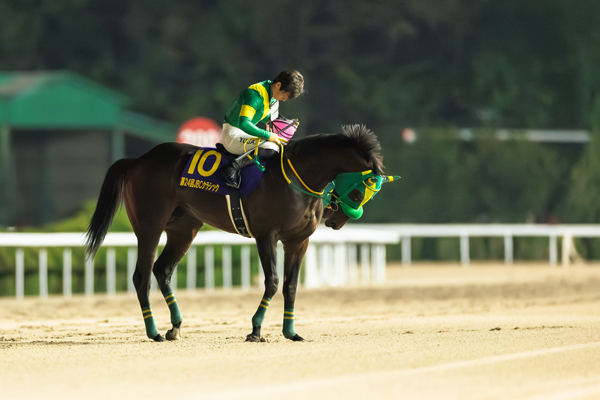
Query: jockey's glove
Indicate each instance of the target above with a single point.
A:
(274, 138)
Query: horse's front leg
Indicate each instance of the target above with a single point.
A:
(267, 251)
(294, 253)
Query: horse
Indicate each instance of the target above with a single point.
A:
(277, 210)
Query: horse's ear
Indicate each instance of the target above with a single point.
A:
(390, 178)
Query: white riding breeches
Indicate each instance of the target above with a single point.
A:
(233, 140)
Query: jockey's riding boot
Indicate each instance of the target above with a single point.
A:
(232, 171)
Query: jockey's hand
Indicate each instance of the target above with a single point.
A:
(296, 122)
(274, 139)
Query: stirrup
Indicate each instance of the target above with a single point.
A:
(236, 167)
(232, 176)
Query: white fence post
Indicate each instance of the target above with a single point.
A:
(508, 249)
(352, 266)
(209, 268)
(43, 257)
(111, 271)
(245, 267)
(566, 249)
(191, 268)
(464, 250)
(553, 251)
(340, 277)
(364, 263)
(89, 277)
(20, 274)
(67, 272)
(227, 276)
(378, 263)
(325, 264)
(406, 255)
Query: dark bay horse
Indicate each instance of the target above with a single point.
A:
(275, 211)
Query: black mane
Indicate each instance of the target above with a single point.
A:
(355, 136)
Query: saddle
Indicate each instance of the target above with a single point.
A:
(202, 172)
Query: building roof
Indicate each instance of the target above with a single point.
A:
(64, 100)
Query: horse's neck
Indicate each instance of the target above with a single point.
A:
(319, 168)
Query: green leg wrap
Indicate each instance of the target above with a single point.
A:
(288, 323)
(151, 329)
(259, 315)
(176, 317)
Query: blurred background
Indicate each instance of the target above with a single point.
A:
(490, 111)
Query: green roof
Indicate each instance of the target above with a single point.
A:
(64, 100)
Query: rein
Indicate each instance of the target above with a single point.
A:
(308, 190)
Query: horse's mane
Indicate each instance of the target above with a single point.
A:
(354, 136)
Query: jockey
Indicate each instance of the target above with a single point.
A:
(253, 105)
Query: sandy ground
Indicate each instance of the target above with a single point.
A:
(431, 332)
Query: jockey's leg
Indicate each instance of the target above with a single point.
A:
(231, 171)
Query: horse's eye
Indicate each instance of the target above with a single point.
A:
(356, 195)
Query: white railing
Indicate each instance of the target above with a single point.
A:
(507, 231)
(331, 258)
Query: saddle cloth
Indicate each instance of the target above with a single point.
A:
(202, 172)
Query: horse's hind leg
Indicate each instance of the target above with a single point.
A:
(148, 220)
(147, 244)
(181, 231)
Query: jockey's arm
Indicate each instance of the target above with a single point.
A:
(248, 127)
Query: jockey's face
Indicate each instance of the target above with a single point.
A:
(278, 94)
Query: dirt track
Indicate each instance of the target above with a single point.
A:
(484, 332)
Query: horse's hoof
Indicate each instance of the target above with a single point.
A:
(254, 338)
(297, 338)
(158, 338)
(173, 334)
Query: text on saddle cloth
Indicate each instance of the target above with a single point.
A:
(202, 172)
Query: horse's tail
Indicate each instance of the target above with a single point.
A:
(109, 200)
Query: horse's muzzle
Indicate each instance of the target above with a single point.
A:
(334, 219)
(331, 224)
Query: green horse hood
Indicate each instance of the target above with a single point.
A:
(352, 190)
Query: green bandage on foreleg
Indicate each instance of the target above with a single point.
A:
(288, 323)
(259, 315)
(176, 317)
(151, 329)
